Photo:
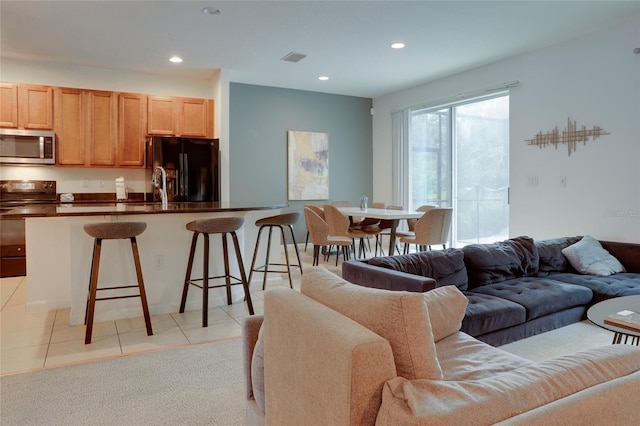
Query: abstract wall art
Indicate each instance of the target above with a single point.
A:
(308, 165)
(570, 136)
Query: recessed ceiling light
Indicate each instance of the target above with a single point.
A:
(323, 78)
(175, 59)
(397, 45)
(211, 11)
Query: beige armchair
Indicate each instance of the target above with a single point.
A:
(431, 229)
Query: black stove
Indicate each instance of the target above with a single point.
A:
(21, 192)
(13, 194)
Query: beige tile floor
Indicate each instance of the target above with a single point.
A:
(34, 340)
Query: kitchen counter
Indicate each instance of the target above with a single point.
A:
(129, 208)
(59, 254)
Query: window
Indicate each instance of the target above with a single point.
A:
(458, 156)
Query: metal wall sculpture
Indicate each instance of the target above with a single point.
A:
(570, 136)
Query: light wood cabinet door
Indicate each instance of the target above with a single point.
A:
(70, 126)
(193, 117)
(162, 115)
(101, 135)
(132, 128)
(26, 106)
(35, 107)
(9, 105)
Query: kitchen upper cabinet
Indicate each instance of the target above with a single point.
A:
(70, 126)
(180, 116)
(132, 129)
(86, 127)
(26, 106)
(193, 117)
(8, 105)
(162, 116)
(102, 129)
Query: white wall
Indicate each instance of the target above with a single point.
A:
(594, 80)
(65, 75)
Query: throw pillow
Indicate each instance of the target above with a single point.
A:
(588, 257)
(257, 370)
(500, 261)
(446, 307)
(444, 266)
(551, 257)
(400, 317)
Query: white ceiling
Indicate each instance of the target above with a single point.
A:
(345, 40)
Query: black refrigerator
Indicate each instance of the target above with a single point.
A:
(192, 166)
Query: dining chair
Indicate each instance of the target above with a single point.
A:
(319, 234)
(431, 229)
(411, 223)
(340, 226)
(319, 211)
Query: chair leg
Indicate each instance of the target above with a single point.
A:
(295, 246)
(227, 273)
(286, 256)
(266, 262)
(205, 282)
(255, 254)
(243, 276)
(93, 289)
(143, 294)
(187, 277)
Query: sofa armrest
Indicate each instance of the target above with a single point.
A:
(250, 328)
(361, 273)
(320, 367)
(627, 253)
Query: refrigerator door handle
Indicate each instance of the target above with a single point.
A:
(180, 176)
(185, 171)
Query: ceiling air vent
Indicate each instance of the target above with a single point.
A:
(293, 57)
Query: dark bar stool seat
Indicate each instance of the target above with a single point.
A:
(279, 221)
(223, 226)
(114, 231)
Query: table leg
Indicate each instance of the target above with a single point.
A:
(392, 238)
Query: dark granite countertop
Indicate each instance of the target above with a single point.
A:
(114, 208)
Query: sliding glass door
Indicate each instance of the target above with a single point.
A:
(459, 157)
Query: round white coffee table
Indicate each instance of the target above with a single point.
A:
(599, 311)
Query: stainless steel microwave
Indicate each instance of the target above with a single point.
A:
(27, 146)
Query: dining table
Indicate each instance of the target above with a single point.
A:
(394, 216)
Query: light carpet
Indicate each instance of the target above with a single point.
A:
(193, 385)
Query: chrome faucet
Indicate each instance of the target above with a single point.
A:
(162, 185)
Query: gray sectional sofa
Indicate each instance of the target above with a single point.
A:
(516, 288)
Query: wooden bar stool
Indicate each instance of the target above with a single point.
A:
(114, 231)
(279, 221)
(223, 226)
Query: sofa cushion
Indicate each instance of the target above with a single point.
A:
(487, 313)
(539, 296)
(463, 357)
(499, 397)
(622, 284)
(399, 317)
(257, 370)
(550, 255)
(500, 261)
(588, 257)
(445, 266)
(446, 307)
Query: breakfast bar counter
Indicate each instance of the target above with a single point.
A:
(59, 254)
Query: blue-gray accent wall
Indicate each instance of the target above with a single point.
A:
(259, 118)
